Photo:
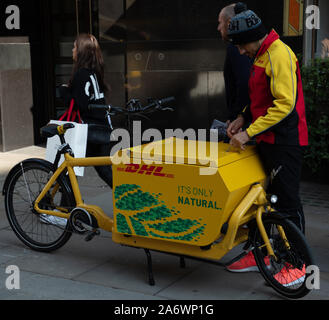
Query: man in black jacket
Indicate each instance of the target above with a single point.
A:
(236, 70)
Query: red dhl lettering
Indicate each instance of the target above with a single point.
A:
(145, 169)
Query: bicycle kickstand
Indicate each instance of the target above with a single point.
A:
(149, 267)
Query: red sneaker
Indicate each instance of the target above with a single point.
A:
(289, 276)
(246, 264)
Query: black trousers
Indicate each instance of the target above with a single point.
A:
(101, 150)
(283, 164)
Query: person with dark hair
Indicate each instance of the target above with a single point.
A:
(87, 86)
(277, 116)
(236, 68)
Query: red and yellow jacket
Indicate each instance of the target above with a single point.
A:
(277, 105)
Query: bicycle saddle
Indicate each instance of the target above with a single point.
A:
(53, 129)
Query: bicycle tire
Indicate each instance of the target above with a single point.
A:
(30, 227)
(294, 258)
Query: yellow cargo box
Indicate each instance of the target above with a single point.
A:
(181, 191)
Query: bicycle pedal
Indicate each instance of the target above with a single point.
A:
(91, 235)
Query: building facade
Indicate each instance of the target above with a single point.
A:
(151, 49)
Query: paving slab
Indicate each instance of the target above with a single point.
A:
(34, 286)
(212, 282)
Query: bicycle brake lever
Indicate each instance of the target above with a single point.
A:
(134, 105)
(167, 109)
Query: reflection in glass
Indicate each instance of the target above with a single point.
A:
(293, 17)
(143, 20)
(109, 13)
(325, 48)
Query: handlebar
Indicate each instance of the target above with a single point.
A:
(159, 103)
(153, 106)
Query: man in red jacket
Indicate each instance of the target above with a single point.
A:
(276, 113)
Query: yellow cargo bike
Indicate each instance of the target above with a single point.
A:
(160, 205)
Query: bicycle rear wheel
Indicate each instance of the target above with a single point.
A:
(288, 273)
(40, 232)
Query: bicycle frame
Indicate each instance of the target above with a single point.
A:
(104, 222)
(234, 236)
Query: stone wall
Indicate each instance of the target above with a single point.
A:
(16, 97)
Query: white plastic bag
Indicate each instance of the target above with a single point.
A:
(76, 138)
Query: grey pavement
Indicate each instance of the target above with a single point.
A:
(103, 270)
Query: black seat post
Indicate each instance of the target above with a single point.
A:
(60, 151)
(62, 139)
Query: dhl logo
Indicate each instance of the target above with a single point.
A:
(145, 169)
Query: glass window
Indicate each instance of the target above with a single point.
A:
(143, 20)
(293, 18)
(109, 15)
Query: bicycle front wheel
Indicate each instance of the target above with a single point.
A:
(40, 232)
(287, 272)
